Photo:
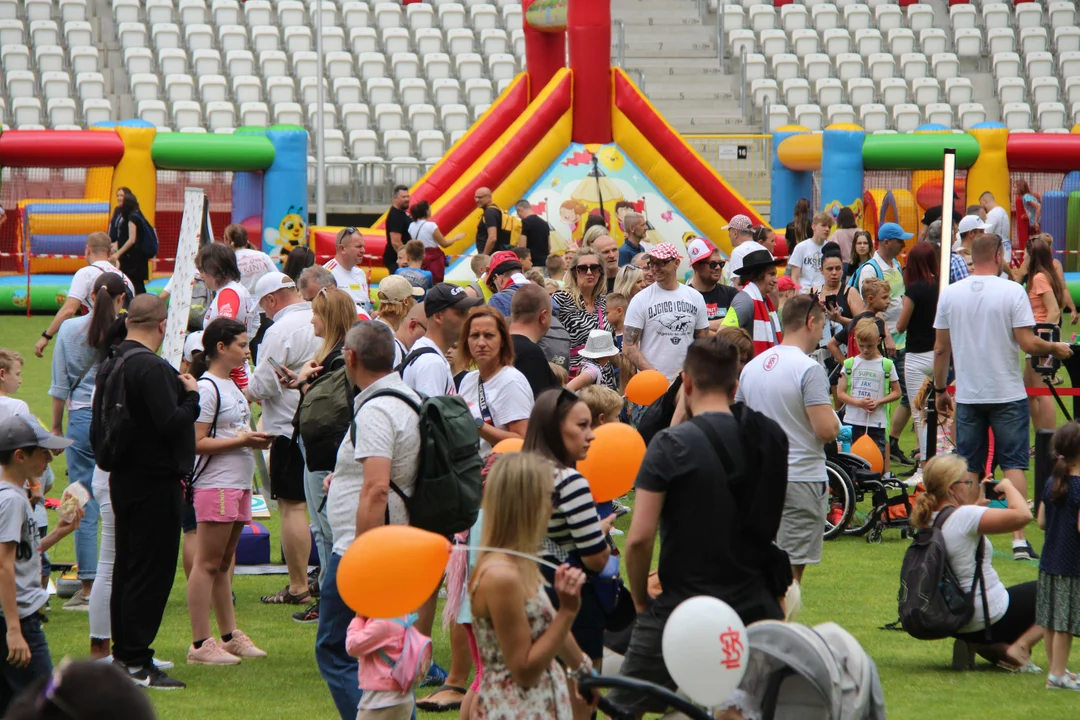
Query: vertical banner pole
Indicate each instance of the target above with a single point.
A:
(930, 419)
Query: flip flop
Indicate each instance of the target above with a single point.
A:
(428, 706)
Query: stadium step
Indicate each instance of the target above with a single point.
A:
(668, 42)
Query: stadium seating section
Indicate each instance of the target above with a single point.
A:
(403, 82)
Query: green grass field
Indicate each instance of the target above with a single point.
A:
(855, 586)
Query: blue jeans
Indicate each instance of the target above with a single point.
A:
(1010, 422)
(80, 467)
(316, 505)
(338, 668)
(15, 679)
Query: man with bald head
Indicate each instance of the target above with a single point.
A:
(97, 263)
(490, 236)
(608, 250)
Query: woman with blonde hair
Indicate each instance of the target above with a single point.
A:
(629, 281)
(591, 234)
(581, 304)
(952, 503)
(518, 633)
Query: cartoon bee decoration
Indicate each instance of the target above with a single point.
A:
(290, 234)
(18, 298)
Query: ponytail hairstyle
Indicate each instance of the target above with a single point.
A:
(940, 474)
(103, 317)
(220, 330)
(199, 364)
(236, 235)
(1066, 448)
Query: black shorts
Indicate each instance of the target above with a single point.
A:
(187, 516)
(286, 470)
(1016, 621)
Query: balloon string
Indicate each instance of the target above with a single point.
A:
(508, 552)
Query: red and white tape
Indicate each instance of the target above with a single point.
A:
(63, 257)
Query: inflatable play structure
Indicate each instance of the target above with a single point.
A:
(268, 195)
(570, 140)
(848, 160)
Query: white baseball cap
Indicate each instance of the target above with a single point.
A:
(269, 283)
(971, 222)
(699, 249)
(193, 344)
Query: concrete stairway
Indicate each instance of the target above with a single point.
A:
(671, 48)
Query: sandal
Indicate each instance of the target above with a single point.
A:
(284, 597)
(428, 706)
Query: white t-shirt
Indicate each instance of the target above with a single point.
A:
(867, 380)
(385, 427)
(508, 396)
(253, 265)
(429, 374)
(737, 257)
(234, 302)
(353, 282)
(807, 257)
(232, 470)
(998, 220)
(13, 407)
(668, 320)
(961, 532)
(424, 231)
(781, 383)
(82, 282)
(980, 313)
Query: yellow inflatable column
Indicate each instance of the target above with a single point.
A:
(990, 173)
(136, 169)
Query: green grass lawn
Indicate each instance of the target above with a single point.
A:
(855, 586)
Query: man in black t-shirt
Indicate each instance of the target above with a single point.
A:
(537, 233)
(490, 237)
(530, 320)
(397, 227)
(717, 506)
(707, 264)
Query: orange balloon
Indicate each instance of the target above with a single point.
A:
(509, 445)
(867, 449)
(645, 387)
(613, 461)
(392, 570)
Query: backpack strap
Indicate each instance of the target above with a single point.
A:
(716, 444)
(189, 483)
(389, 392)
(413, 357)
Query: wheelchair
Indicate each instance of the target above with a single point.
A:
(861, 501)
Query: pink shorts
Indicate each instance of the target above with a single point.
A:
(222, 505)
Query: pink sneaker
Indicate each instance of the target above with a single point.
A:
(210, 654)
(241, 646)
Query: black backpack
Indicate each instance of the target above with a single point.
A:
(446, 496)
(111, 426)
(147, 241)
(412, 357)
(932, 603)
(323, 416)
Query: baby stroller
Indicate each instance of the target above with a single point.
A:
(862, 502)
(794, 673)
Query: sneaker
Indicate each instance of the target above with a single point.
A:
(154, 679)
(1025, 552)
(79, 601)
(242, 647)
(1066, 682)
(159, 664)
(210, 654)
(619, 509)
(898, 455)
(309, 615)
(436, 676)
(616, 532)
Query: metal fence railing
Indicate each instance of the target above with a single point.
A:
(366, 182)
(744, 161)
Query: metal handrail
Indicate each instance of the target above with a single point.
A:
(720, 49)
(620, 44)
(742, 83)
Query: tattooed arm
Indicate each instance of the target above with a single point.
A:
(632, 348)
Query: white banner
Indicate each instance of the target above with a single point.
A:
(172, 349)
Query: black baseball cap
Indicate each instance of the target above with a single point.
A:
(445, 295)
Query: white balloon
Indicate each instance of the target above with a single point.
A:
(705, 649)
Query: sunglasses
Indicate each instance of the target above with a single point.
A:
(589, 269)
(654, 262)
(716, 264)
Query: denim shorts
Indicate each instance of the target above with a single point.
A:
(1010, 422)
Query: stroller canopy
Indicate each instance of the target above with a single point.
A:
(801, 673)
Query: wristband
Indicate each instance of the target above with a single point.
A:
(941, 391)
(45, 334)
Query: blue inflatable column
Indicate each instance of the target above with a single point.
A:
(284, 207)
(247, 194)
(787, 185)
(842, 168)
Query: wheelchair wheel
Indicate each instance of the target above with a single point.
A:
(841, 500)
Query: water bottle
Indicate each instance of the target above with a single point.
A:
(845, 438)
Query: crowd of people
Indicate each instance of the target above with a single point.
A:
(764, 370)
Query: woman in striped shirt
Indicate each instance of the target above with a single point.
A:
(560, 429)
